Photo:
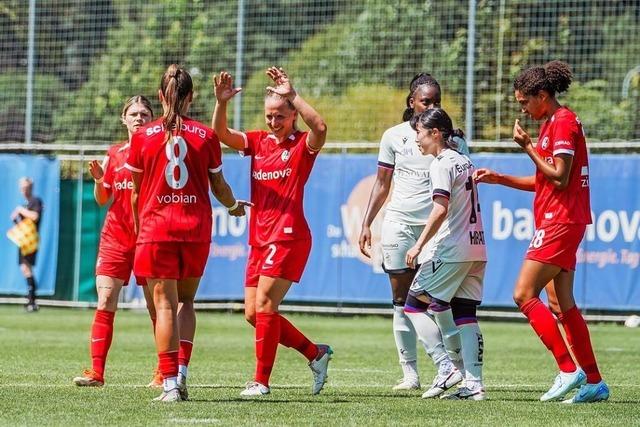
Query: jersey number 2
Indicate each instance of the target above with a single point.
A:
(176, 161)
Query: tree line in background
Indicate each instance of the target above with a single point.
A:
(351, 59)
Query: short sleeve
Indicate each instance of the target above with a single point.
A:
(215, 158)
(107, 168)
(565, 135)
(441, 179)
(251, 141)
(386, 155)
(134, 159)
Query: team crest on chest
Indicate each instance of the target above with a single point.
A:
(545, 143)
(285, 155)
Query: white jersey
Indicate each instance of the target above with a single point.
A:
(411, 197)
(461, 236)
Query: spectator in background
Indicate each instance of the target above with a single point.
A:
(31, 210)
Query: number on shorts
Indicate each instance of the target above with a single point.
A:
(536, 242)
(475, 207)
(272, 251)
(176, 161)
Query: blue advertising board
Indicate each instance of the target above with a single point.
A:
(607, 275)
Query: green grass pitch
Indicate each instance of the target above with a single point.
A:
(42, 352)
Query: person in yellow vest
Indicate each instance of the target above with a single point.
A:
(32, 210)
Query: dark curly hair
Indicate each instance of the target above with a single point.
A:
(418, 80)
(554, 77)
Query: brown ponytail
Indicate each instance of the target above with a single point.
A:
(176, 86)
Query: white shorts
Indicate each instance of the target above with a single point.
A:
(446, 280)
(396, 239)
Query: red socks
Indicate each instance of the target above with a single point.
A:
(184, 354)
(578, 336)
(168, 363)
(267, 338)
(293, 338)
(545, 325)
(101, 336)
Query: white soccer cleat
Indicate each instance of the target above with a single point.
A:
(182, 387)
(464, 393)
(89, 378)
(255, 389)
(590, 393)
(172, 395)
(442, 383)
(563, 384)
(319, 368)
(407, 384)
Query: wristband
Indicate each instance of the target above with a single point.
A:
(99, 181)
(233, 207)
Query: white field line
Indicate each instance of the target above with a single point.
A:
(333, 385)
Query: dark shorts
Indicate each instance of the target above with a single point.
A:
(27, 259)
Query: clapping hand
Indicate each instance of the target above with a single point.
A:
(282, 83)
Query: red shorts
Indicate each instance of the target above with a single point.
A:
(171, 260)
(116, 263)
(556, 244)
(285, 259)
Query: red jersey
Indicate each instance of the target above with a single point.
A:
(174, 203)
(563, 134)
(278, 175)
(117, 231)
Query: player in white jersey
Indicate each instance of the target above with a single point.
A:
(401, 162)
(449, 281)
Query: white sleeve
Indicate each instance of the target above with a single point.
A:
(386, 155)
(441, 178)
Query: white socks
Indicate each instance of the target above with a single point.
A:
(472, 351)
(450, 336)
(170, 383)
(429, 335)
(405, 336)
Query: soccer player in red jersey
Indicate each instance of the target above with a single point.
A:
(173, 161)
(117, 239)
(561, 211)
(280, 239)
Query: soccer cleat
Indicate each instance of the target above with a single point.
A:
(563, 384)
(589, 393)
(182, 387)
(254, 389)
(89, 378)
(31, 308)
(407, 384)
(442, 383)
(464, 393)
(319, 367)
(157, 380)
(172, 395)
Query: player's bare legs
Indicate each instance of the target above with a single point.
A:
(187, 289)
(156, 381)
(165, 299)
(534, 276)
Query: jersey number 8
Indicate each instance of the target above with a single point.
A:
(176, 161)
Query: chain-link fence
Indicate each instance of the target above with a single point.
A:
(67, 66)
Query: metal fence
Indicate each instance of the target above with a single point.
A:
(67, 66)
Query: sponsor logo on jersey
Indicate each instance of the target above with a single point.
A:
(185, 128)
(184, 199)
(285, 155)
(261, 175)
(125, 184)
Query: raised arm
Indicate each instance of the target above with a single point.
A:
(100, 193)
(557, 172)
(379, 194)
(224, 91)
(284, 88)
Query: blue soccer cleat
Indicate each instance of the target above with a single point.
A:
(589, 393)
(563, 384)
